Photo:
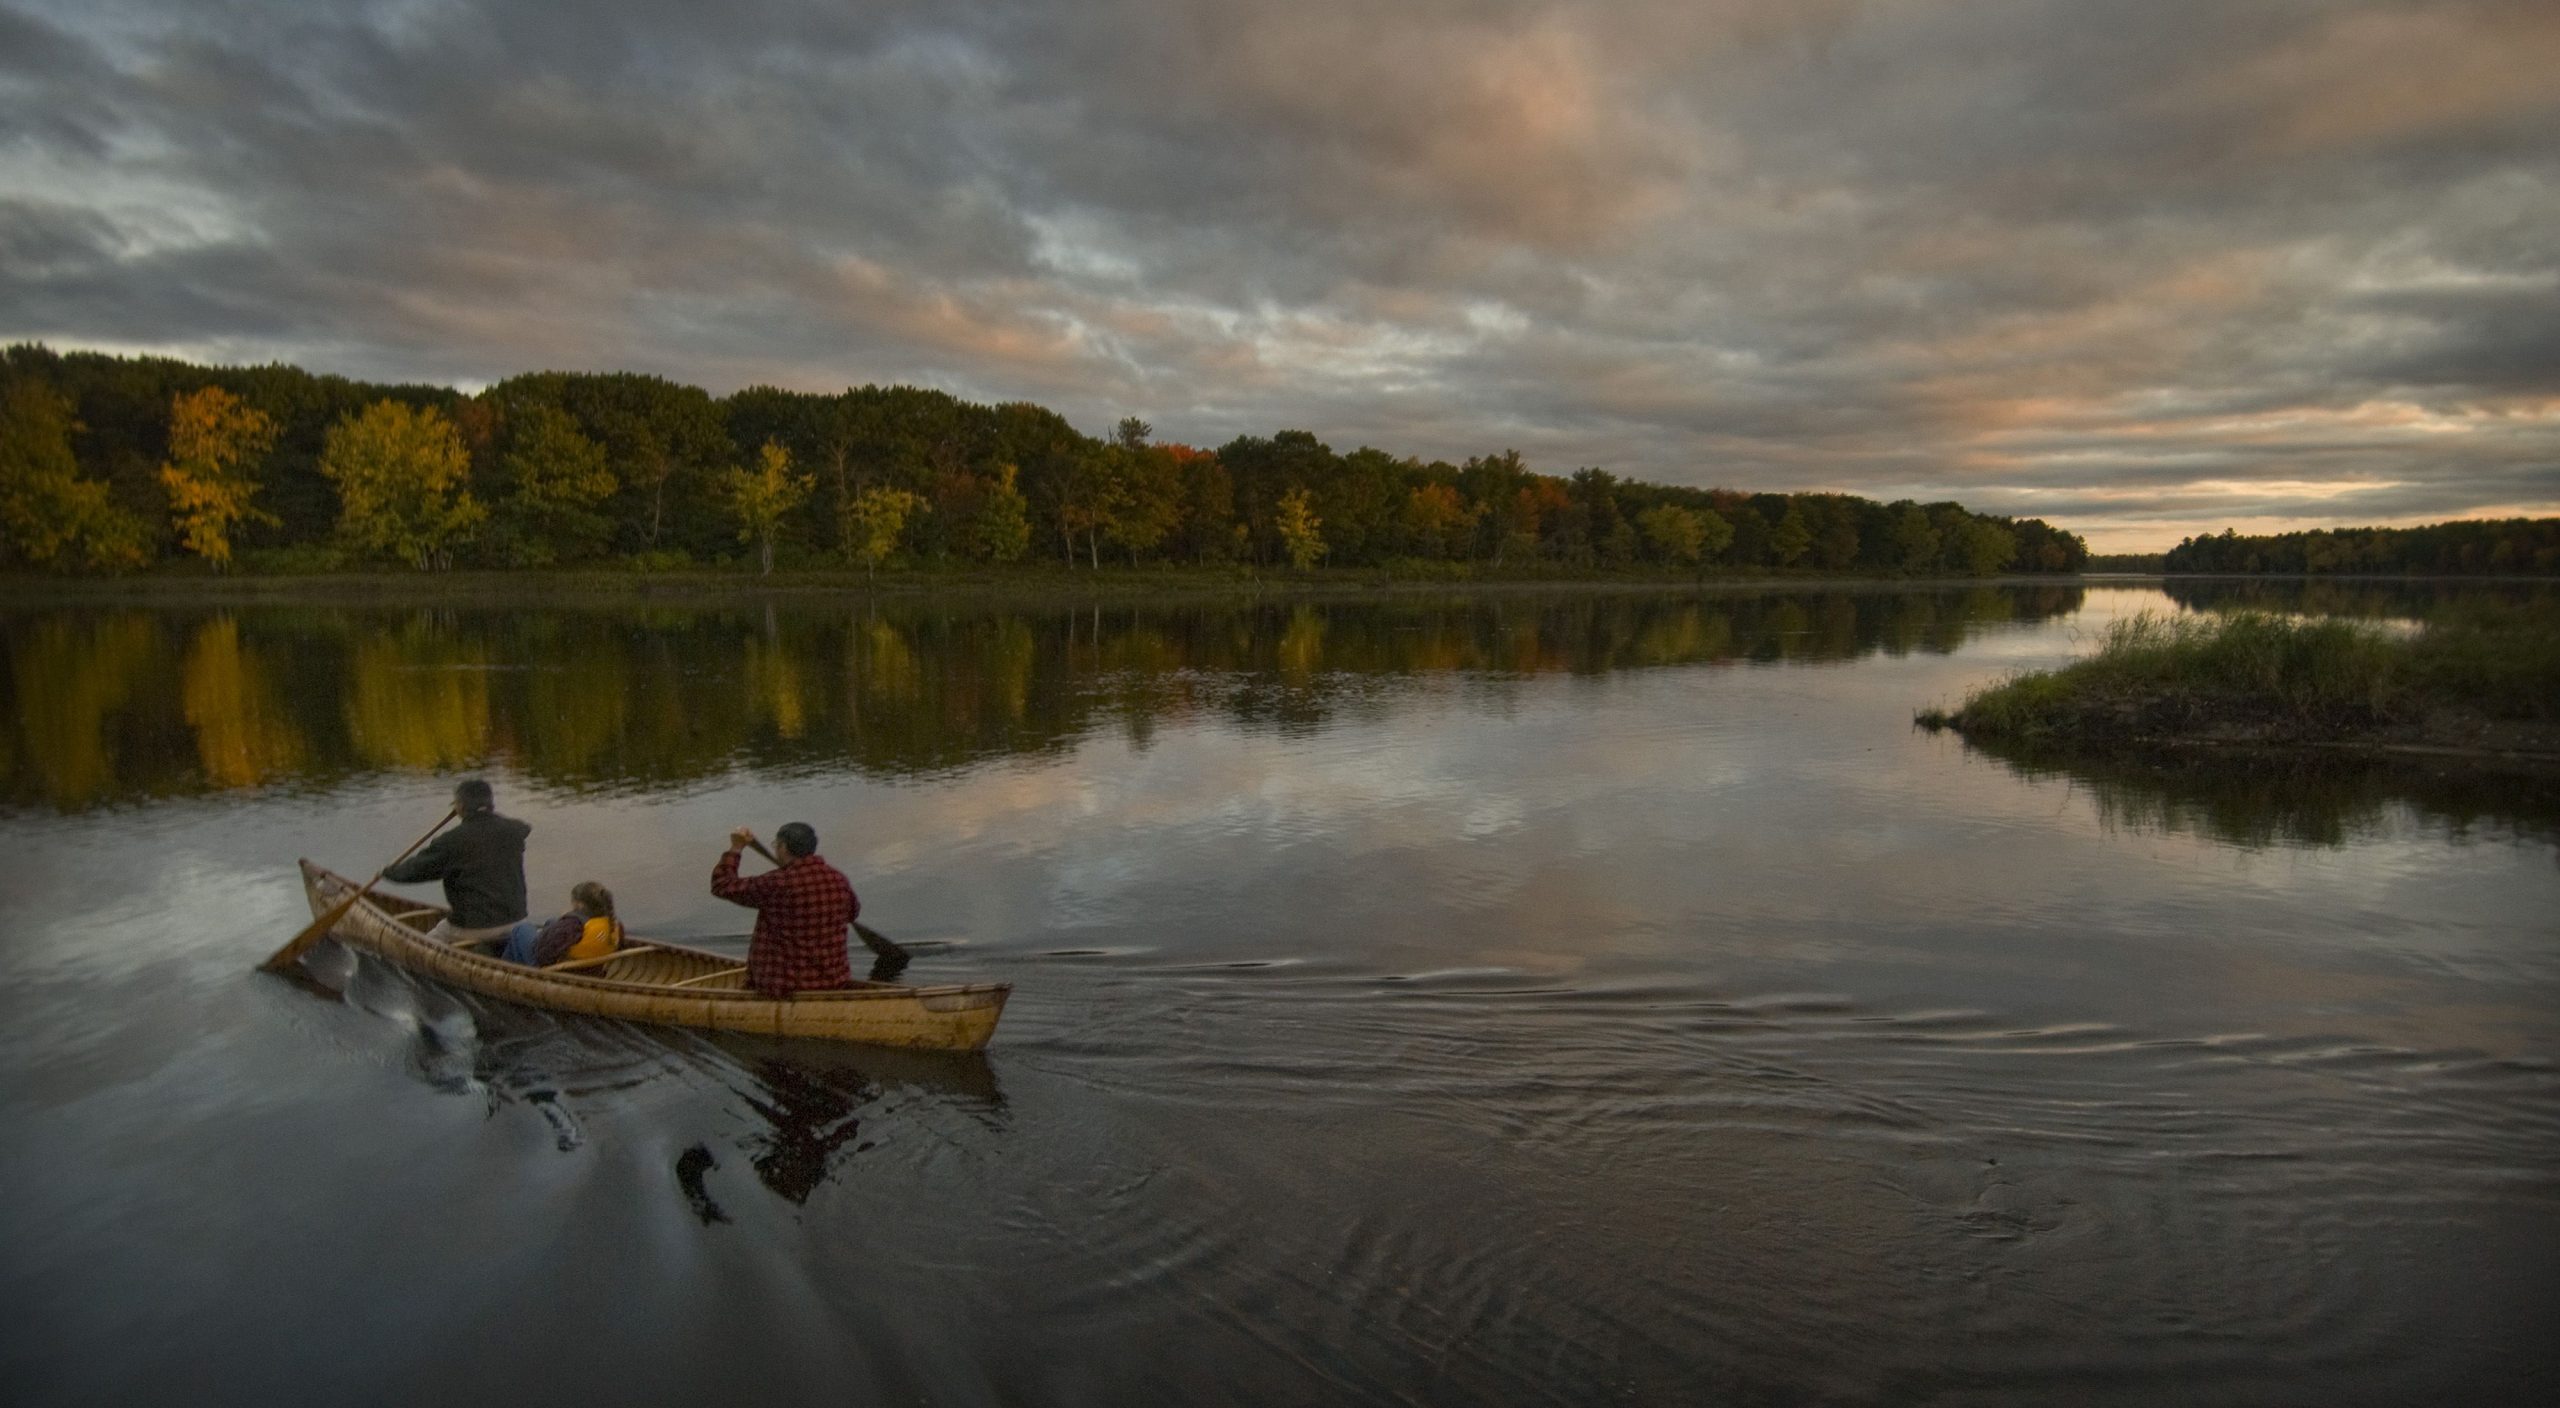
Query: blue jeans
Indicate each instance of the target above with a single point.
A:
(519, 945)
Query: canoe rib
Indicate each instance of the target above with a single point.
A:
(668, 984)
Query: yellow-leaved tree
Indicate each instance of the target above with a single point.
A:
(763, 496)
(1687, 536)
(1298, 524)
(1675, 532)
(874, 520)
(215, 441)
(401, 472)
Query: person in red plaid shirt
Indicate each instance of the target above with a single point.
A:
(802, 907)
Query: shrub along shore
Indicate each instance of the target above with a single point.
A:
(2482, 680)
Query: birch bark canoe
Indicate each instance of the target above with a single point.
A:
(666, 984)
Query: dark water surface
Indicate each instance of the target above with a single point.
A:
(1577, 999)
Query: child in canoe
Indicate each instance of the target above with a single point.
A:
(588, 930)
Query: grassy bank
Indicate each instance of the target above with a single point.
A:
(2481, 678)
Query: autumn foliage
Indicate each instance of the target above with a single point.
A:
(215, 442)
(110, 463)
(403, 484)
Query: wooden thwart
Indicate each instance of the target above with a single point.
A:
(600, 959)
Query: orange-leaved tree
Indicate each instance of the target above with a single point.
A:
(1437, 521)
(215, 441)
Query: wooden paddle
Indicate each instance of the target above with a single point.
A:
(872, 938)
(291, 953)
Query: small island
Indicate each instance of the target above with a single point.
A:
(2481, 684)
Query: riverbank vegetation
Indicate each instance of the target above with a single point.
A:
(2465, 548)
(118, 465)
(2483, 678)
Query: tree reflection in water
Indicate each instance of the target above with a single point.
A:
(108, 705)
(2411, 599)
(2259, 798)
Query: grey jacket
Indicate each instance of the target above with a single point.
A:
(481, 862)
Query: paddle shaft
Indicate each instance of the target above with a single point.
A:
(872, 939)
(291, 953)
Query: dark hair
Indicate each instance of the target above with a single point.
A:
(797, 838)
(592, 897)
(473, 795)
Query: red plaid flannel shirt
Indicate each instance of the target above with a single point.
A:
(802, 909)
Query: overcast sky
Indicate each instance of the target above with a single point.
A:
(2142, 268)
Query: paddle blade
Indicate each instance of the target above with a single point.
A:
(879, 943)
(292, 952)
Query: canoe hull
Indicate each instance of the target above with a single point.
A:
(666, 984)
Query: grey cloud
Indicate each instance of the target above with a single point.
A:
(50, 81)
(42, 240)
(2043, 251)
(2494, 340)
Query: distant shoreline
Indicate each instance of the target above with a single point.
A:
(1048, 582)
(1109, 584)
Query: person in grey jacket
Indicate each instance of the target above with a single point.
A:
(480, 861)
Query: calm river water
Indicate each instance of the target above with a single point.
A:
(1568, 999)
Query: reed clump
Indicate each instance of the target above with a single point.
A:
(2256, 676)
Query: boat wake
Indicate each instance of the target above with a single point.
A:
(793, 1111)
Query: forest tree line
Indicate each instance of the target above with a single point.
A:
(114, 463)
(2481, 547)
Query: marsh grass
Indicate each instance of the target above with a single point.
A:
(2280, 677)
